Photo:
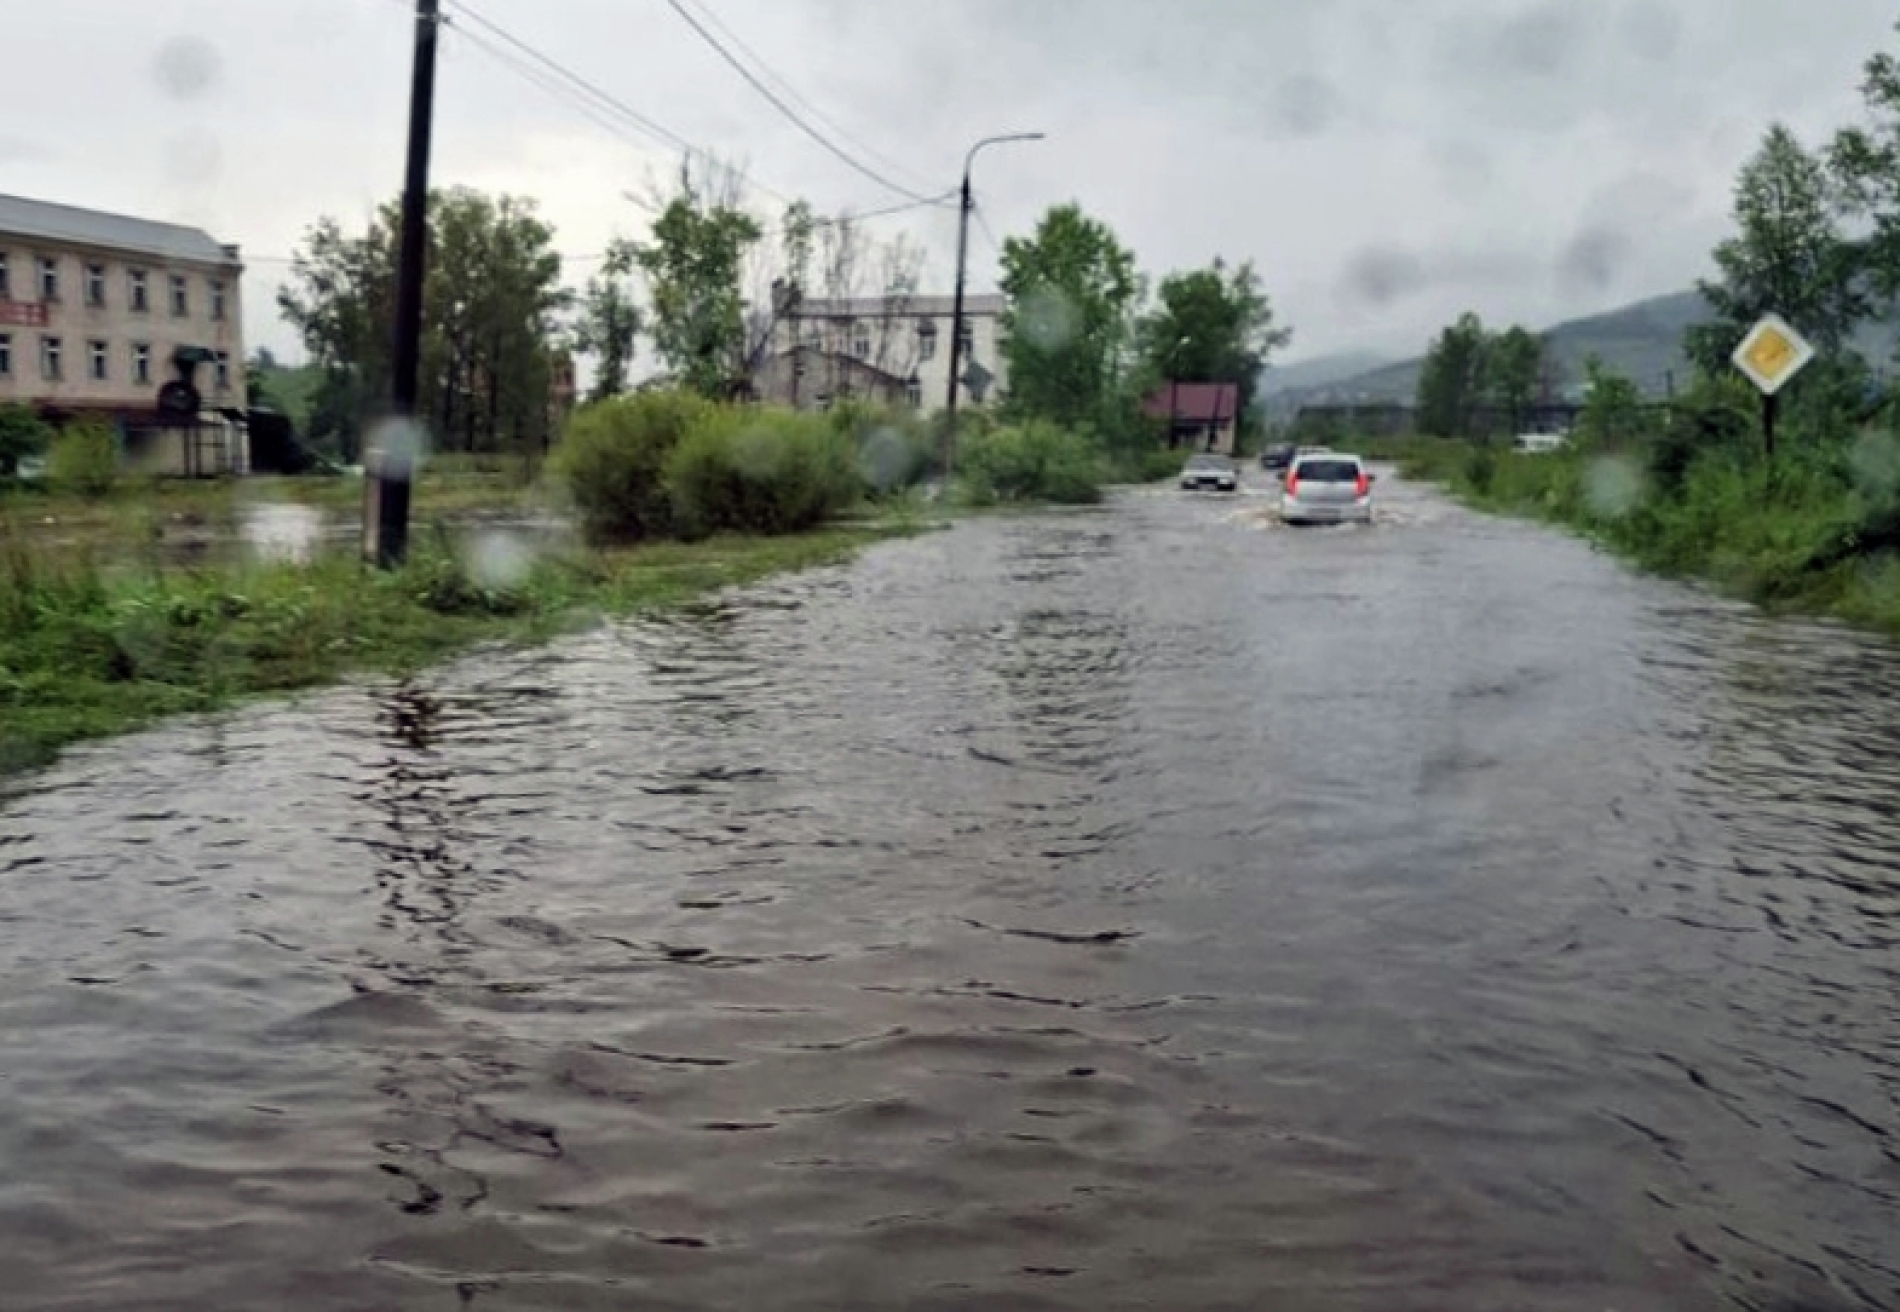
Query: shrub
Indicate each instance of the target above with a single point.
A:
(895, 447)
(1032, 461)
(22, 434)
(612, 461)
(84, 459)
(758, 470)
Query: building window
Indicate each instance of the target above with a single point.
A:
(49, 278)
(141, 364)
(95, 284)
(181, 296)
(141, 295)
(223, 361)
(6, 355)
(217, 299)
(861, 341)
(101, 369)
(914, 393)
(6, 280)
(966, 336)
(926, 340)
(50, 353)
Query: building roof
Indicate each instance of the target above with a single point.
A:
(1196, 403)
(44, 221)
(975, 305)
(851, 363)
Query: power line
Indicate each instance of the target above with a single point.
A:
(791, 114)
(604, 99)
(792, 93)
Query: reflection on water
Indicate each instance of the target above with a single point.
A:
(1113, 910)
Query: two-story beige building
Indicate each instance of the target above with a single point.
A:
(97, 311)
(893, 349)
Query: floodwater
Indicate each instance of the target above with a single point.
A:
(1135, 908)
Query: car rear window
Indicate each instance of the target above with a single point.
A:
(1329, 471)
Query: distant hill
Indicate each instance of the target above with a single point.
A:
(1642, 341)
(1321, 371)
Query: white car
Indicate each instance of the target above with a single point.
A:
(1210, 472)
(1327, 487)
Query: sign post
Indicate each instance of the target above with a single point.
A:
(1769, 356)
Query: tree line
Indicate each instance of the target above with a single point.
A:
(1086, 338)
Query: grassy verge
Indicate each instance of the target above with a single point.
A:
(84, 654)
(1813, 533)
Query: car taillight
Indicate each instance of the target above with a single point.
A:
(1292, 483)
(1362, 485)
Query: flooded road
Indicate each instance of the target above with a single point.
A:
(1136, 908)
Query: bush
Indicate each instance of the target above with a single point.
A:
(1033, 461)
(612, 461)
(23, 434)
(758, 470)
(84, 459)
(895, 447)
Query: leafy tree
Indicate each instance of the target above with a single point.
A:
(1613, 407)
(1453, 381)
(1789, 256)
(1071, 288)
(491, 308)
(609, 327)
(1212, 325)
(1514, 369)
(1865, 161)
(694, 262)
(23, 434)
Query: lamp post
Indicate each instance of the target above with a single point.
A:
(956, 312)
(1174, 388)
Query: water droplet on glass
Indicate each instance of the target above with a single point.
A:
(498, 560)
(188, 67)
(1612, 486)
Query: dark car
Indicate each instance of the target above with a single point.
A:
(1277, 457)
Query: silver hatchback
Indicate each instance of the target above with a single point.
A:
(1327, 487)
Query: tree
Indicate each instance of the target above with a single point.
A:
(1865, 162)
(492, 303)
(1067, 325)
(1514, 369)
(1453, 380)
(1788, 255)
(609, 327)
(1613, 409)
(694, 262)
(1212, 325)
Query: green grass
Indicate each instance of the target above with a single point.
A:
(1802, 536)
(85, 653)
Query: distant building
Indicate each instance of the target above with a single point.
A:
(889, 348)
(99, 311)
(1198, 416)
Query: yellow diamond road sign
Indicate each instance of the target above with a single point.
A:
(1772, 353)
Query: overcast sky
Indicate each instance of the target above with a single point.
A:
(1385, 163)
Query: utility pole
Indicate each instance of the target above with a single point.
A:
(392, 473)
(966, 204)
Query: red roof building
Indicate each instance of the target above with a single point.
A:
(1199, 416)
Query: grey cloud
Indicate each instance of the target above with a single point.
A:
(1306, 104)
(1378, 276)
(1594, 258)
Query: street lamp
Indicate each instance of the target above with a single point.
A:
(1174, 388)
(956, 312)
